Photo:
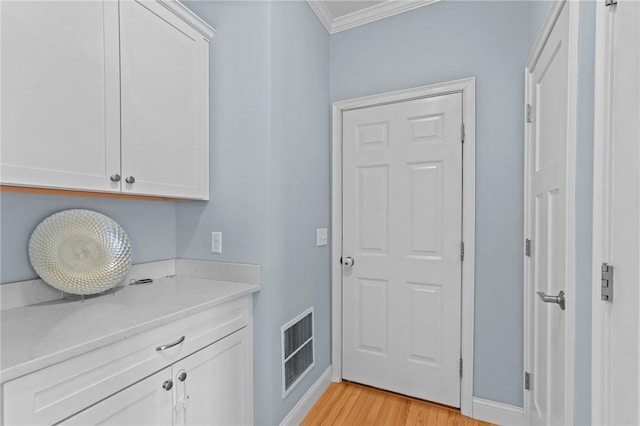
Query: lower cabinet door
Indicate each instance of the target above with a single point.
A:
(214, 386)
(148, 402)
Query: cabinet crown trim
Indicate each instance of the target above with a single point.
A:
(184, 13)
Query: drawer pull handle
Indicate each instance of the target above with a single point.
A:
(170, 345)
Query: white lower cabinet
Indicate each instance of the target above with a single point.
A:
(209, 387)
(197, 370)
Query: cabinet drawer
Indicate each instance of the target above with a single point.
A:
(56, 392)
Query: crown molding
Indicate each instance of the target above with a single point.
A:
(322, 12)
(364, 16)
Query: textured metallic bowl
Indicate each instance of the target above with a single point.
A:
(80, 251)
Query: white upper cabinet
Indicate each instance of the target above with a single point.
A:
(60, 124)
(165, 87)
(106, 96)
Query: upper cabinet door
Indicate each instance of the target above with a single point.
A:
(60, 94)
(165, 96)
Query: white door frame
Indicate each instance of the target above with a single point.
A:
(549, 24)
(467, 88)
(603, 145)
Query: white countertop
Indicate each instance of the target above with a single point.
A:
(37, 336)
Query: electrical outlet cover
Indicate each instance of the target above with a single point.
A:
(216, 242)
(321, 237)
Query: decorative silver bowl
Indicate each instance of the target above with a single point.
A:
(80, 252)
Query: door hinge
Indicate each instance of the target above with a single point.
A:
(606, 293)
(610, 2)
(462, 250)
(462, 135)
(460, 367)
(528, 117)
(527, 247)
(527, 381)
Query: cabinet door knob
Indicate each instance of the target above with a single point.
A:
(167, 385)
(115, 178)
(130, 179)
(182, 376)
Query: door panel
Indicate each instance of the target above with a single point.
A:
(373, 209)
(548, 227)
(402, 209)
(372, 308)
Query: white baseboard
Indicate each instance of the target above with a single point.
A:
(497, 412)
(308, 400)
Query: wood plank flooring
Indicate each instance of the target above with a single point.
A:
(353, 404)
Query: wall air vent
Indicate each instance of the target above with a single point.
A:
(298, 353)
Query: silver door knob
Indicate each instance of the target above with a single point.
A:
(115, 178)
(348, 262)
(167, 385)
(130, 179)
(182, 376)
(559, 299)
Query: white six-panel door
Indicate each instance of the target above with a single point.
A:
(402, 210)
(549, 225)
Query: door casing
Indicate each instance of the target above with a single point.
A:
(551, 19)
(467, 88)
(606, 137)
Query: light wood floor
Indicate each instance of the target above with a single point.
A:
(352, 404)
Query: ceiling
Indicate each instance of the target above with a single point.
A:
(340, 15)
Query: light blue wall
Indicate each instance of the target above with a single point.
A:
(240, 78)
(269, 175)
(150, 226)
(447, 41)
(300, 182)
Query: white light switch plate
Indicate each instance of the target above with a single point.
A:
(321, 237)
(216, 242)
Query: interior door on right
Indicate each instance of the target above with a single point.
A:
(547, 192)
